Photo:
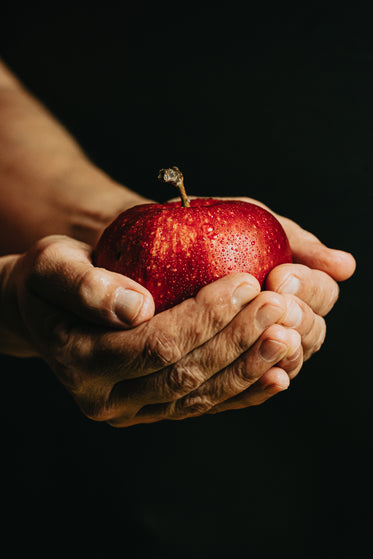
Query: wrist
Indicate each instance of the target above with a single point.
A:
(75, 198)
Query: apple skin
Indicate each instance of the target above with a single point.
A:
(173, 251)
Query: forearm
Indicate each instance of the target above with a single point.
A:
(47, 184)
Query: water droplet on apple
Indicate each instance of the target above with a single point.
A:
(207, 229)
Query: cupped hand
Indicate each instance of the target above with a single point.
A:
(123, 365)
(316, 270)
(310, 283)
(312, 278)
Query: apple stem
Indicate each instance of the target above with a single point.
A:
(174, 176)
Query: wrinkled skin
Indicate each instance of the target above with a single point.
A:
(96, 329)
(231, 346)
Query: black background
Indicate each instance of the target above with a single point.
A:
(269, 103)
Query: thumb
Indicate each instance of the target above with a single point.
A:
(61, 273)
(308, 250)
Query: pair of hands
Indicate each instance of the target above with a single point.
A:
(231, 346)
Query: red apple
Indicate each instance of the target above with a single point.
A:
(174, 250)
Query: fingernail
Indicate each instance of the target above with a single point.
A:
(290, 285)
(243, 294)
(267, 315)
(127, 304)
(271, 350)
(294, 315)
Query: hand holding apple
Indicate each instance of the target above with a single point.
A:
(316, 269)
(228, 340)
(95, 327)
(210, 353)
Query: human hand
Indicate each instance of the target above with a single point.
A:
(314, 269)
(312, 278)
(315, 265)
(179, 363)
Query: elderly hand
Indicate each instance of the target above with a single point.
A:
(312, 278)
(228, 340)
(315, 265)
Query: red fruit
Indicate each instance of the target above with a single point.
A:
(173, 250)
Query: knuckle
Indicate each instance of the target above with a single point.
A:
(288, 278)
(94, 292)
(241, 335)
(270, 298)
(322, 334)
(243, 376)
(161, 350)
(40, 258)
(326, 292)
(45, 250)
(294, 338)
(94, 282)
(268, 308)
(215, 312)
(317, 338)
(217, 304)
(193, 406)
(181, 380)
(276, 332)
(271, 307)
(60, 343)
(292, 365)
(88, 283)
(57, 331)
(64, 345)
(289, 337)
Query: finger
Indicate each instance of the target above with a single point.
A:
(165, 340)
(174, 333)
(313, 341)
(68, 346)
(314, 287)
(309, 325)
(273, 346)
(308, 250)
(63, 341)
(89, 353)
(275, 380)
(278, 346)
(189, 372)
(60, 271)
